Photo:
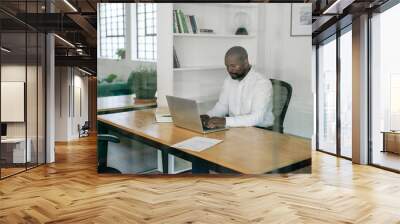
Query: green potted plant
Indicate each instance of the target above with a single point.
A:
(121, 53)
(110, 78)
(144, 84)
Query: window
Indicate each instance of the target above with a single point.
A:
(394, 101)
(112, 29)
(385, 88)
(335, 94)
(346, 75)
(146, 31)
(327, 96)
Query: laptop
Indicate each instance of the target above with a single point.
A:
(185, 114)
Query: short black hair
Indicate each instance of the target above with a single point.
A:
(237, 51)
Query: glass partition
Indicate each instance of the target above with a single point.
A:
(22, 92)
(14, 153)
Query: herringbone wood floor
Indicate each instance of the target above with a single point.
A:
(70, 191)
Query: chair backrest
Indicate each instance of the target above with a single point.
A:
(282, 92)
(86, 126)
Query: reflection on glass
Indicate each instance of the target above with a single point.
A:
(385, 86)
(346, 94)
(327, 97)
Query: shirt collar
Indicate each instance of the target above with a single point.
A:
(247, 75)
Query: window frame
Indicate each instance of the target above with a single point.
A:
(109, 43)
(146, 34)
(334, 37)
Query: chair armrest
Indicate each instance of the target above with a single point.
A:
(266, 128)
(108, 138)
(272, 128)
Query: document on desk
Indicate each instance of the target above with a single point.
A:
(197, 144)
(163, 118)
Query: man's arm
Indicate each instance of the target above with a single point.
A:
(261, 102)
(221, 108)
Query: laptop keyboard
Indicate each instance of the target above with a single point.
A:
(206, 128)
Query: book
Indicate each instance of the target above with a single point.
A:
(176, 60)
(183, 21)
(177, 28)
(174, 22)
(180, 20)
(193, 23)
(189, 24)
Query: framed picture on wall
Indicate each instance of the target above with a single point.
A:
(300, 19)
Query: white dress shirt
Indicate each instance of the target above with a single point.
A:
(247, 102)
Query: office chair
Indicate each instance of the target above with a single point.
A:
(282, 92)
(102, 151)
(84, 130)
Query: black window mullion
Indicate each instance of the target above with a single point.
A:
(317, 96)
(338, 73)
(26, 86)
(37, 90)
(369, 90)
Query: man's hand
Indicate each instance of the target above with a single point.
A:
(204, 119)
(216, 122)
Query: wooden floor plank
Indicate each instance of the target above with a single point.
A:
(70, 191)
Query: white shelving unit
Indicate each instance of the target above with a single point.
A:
(199, 68)
(200, 35)
(201, 56)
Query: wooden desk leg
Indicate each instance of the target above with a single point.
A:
(199, 167)
(164, 158)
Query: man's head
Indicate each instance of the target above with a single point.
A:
(237, 62)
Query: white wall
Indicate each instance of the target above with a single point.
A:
(33, 126)
(287, 58)
(68, 82)
(61, 103)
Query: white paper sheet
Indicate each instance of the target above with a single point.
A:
(163, 118)
(197, 144)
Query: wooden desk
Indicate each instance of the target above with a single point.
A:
(115, 104)
(13, 150)
(391, 141)
(244, 150)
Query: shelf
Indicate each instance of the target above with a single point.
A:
(199, 68)
(213, 35)
(240, 5)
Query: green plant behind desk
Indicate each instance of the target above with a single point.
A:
(143, 82)
(110, 86)
(110, 78)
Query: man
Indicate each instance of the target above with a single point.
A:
(246, 96)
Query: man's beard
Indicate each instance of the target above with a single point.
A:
(236, 76)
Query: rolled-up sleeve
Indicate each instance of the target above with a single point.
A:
(261, 102)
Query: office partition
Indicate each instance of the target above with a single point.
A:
(22, 77)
